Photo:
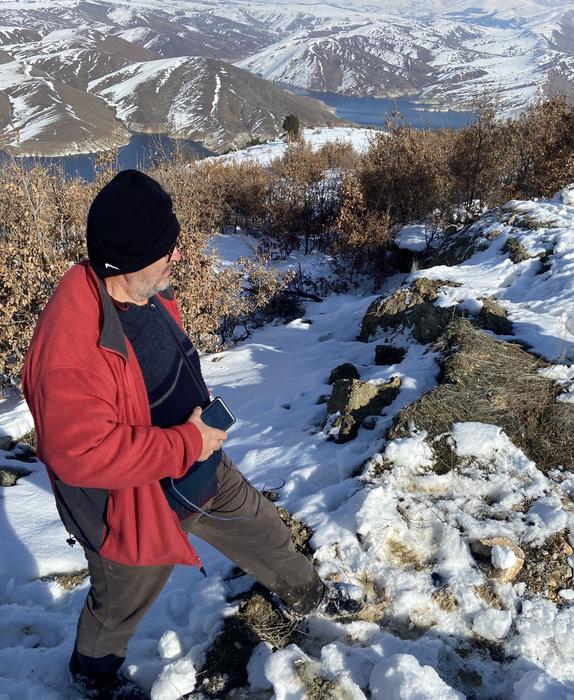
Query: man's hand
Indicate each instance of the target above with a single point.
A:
(212, 437)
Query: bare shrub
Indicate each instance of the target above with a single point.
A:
(360, 236)
(42, 218)
(338, 155)
(405, 175)
(480, 164)
(302, 199)
(544, 148)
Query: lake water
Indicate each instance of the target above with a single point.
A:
(144, 150)
(376, 111)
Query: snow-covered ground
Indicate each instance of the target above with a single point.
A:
(402, 531)
(265, 153)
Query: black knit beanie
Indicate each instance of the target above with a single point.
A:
(131, 224)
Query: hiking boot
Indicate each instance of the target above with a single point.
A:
(107, 688)
(341, 599)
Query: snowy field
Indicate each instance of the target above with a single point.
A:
(429, 632)
(265, 153)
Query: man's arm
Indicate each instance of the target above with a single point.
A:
(84, 444)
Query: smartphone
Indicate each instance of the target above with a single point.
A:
(217, 415)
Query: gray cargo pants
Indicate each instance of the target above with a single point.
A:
(260, 544)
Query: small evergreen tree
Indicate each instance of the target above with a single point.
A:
(292, 126)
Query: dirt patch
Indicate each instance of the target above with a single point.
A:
(403, 555)
(300, 533)
(445, 457)
(413, 307)
(445, 599)
(68, 581)
(488, 594)
(490, 381)
(317, 687)
(546, 570)
(352, 401)
(257, 620)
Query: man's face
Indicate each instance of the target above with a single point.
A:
(154, 278)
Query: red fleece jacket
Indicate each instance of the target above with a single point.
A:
(93, 424)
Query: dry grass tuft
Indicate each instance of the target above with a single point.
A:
(489, 381)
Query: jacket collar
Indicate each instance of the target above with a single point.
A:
(112, 336)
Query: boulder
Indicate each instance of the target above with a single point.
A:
(414, 308)
(344, 371)
(389, 355)
(352, 401)
(9, 475)
(493, 317)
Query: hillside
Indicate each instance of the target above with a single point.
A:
(438, 476)
(447, 53)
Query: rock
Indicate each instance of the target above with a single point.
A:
(493, 317)
(370, 422)
(460, 245)
(414, 308)
(6, 442)
(516, 250)
(389, 355)
(344, 371)
(9, 475)
(352, 401)
(494, 551)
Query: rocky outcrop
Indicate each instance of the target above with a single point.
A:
(516, 250)
(412, 307)
(493, 317)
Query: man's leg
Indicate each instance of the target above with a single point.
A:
(118, 599)
(250, 532)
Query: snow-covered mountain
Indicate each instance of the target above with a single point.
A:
(450, 52)
(79, 77)
(202, 99)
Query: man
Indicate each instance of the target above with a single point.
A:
(116, 392)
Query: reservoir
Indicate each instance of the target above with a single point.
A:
(145, 150)
(142, 152)
(376, 111)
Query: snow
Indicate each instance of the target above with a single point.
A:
(492, 624)
(503, 557)
(382, 516)
(414, 237)
(264, 154)
(402, 677)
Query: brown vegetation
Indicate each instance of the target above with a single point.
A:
(332, 200)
